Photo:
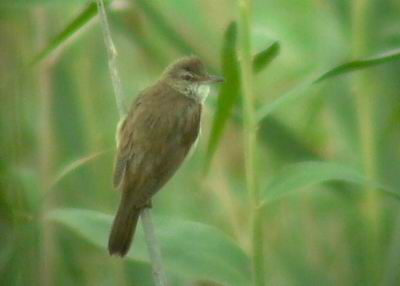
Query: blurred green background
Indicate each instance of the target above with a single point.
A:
(327, 158)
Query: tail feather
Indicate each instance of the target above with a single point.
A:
(123, 229)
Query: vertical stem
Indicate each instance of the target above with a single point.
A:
(248, 98)
(250, 126)
(145, 216)
(154, 252)
(258, 248)
(112, 59)
(363, 100)
(45, 155)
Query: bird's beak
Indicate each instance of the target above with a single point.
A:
(213, 79)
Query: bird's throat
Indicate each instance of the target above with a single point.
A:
(198, 92)
(202, 92)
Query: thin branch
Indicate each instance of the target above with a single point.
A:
(145, 216)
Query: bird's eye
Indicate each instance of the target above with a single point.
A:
(187, 76)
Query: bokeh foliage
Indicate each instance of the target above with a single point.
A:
(328, 158)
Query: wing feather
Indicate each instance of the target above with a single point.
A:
(124, 146)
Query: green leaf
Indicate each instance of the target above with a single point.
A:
(295, 93)
(229, 91)
(301, 175)
(190, 249)
(265, 57)
(361, 64)
(79, 22)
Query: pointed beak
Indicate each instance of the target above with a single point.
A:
(213, 79)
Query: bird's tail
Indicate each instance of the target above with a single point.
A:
(123, 228)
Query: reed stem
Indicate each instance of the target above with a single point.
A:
(45, 154)
(250, 137)
(364, 110)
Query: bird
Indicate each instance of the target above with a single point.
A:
(154, 138)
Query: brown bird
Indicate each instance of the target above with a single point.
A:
(154, 139)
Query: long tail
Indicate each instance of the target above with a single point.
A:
(123, 228)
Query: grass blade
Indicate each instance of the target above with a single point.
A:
(79, 22)
(204, 251)
(301, 175)
(293, 94)
(229, 91)
(360, 64)
(265, 57)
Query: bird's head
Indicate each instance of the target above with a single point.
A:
(189, 76)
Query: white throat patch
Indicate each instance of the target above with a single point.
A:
(202, 91)
(199, 92)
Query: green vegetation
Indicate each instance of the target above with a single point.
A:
(295, 180)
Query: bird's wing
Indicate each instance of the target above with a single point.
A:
(124, 146)
(119, 172)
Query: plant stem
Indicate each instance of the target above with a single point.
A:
(145, 216)
(363, 100)
(154, 252)
(249, 119)
(250, 129)
(45, 155)
(112, 59)
(258, 248)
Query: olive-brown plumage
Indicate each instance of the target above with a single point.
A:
(154, 139)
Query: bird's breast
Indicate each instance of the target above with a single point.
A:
(189, 122)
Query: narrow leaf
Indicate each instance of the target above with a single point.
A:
(229, 91)
(361, 64)
(265, 57)
(79, 22)
(306, 174)
(295, 93)
(189, 249)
